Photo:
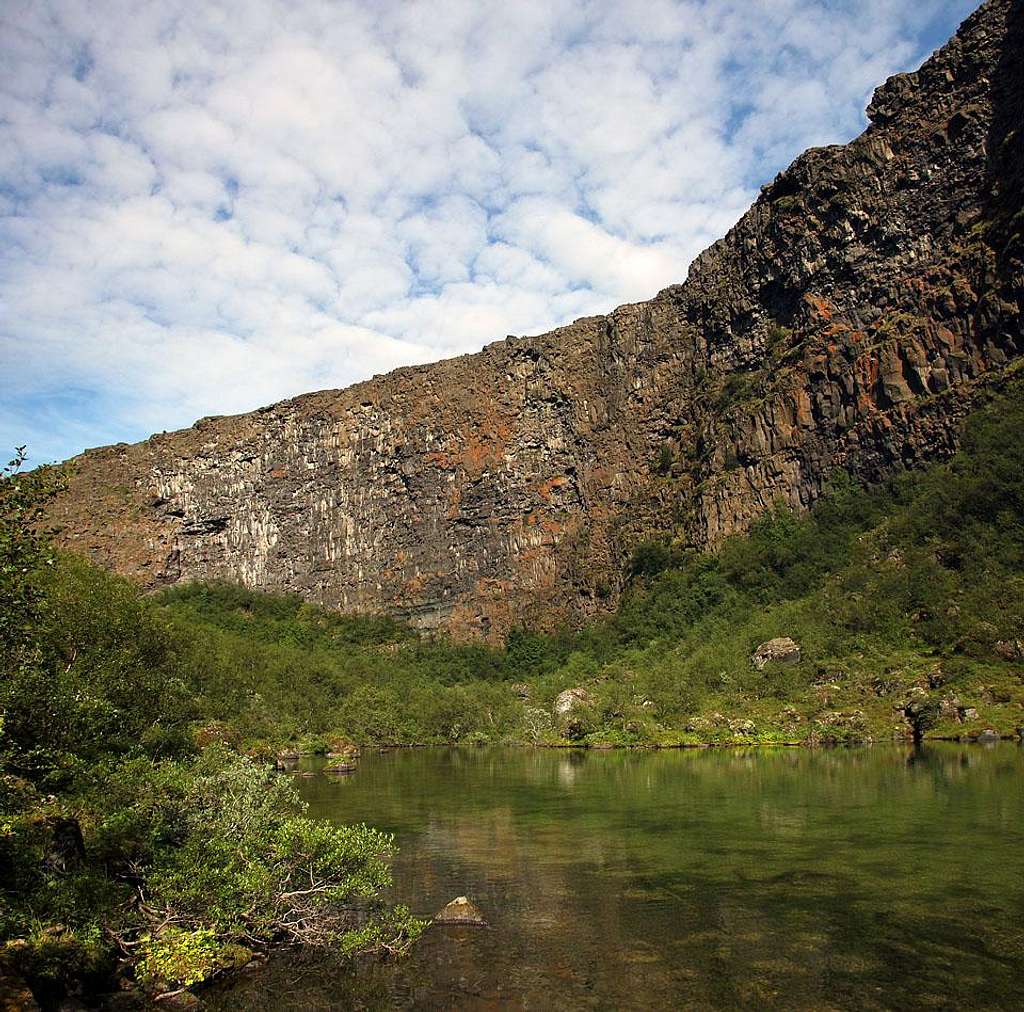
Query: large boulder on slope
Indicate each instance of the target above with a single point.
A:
(570, 699)
(781, 650)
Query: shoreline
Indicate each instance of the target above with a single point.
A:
(676, 746)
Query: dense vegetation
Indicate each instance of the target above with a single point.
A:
(127, 848)
(142, 829)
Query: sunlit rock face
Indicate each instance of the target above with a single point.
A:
(869, 298)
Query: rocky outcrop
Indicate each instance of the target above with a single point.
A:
(852, 317)
(571, 699)
(781, 650)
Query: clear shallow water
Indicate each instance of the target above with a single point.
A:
(868, 878)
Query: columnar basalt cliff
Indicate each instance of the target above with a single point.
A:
(866, 301)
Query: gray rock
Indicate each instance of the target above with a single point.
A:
(781, 650)
(949, 708)
(570, 699)
(1010, 650)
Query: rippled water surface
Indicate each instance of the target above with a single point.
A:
(869, 878)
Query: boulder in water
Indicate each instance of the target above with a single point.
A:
(287, 760)
(341, 768)
(461, 910)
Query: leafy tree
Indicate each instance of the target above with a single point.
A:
(24, 551)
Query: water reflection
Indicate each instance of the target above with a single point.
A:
(866, 878)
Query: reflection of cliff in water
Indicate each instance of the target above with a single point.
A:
(866, 878)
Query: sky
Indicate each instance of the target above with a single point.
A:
(206, 207)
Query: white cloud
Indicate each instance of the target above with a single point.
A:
(209, 206)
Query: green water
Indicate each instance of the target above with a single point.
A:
(855, 879)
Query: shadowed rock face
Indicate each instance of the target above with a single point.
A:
(869, 298)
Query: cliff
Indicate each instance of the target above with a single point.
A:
(849, 320)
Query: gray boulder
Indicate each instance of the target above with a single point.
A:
(781, 650)
(570, 699)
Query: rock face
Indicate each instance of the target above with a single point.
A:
(782, 650)
(869, 298)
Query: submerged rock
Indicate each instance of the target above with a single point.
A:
(461, 910)
(781, 650)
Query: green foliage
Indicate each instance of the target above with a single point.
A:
(24, 552)
(737, 387)
(109, 676)
(922, 716)
(280, 618)
(665, 460)
(778, 339)
(177, 957)
(650, 558)
(118, 837)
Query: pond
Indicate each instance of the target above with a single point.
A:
(706, 879)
